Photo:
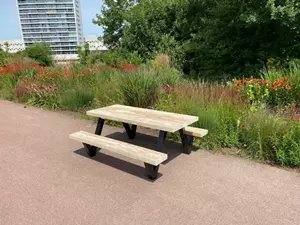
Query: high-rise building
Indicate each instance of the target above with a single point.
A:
(55, 22)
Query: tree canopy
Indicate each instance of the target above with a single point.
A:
(208, 37)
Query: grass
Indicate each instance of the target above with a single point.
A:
(75, 100)
(139, 88)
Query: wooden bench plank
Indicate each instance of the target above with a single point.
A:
(195, 132)
(153, 119)
(128, 150)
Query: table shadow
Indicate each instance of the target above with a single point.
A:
(117, 163)
(172, 149)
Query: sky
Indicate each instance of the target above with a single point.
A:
(10, 27)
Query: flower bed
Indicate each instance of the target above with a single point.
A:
(251, 115)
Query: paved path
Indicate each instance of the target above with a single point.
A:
(45, 178)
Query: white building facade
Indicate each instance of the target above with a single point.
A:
(55, 22)
(95, 45)
(13, 45)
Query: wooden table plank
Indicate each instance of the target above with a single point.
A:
(153, 119)
(128, 150)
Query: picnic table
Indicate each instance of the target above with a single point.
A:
(131, 117)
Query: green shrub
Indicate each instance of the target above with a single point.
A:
(139, 88)
(288, 148)
(4, 57)
(41, 53)
(107, 58)
(7, 87)
(258, 132)
(272, 74)
(76, 99)
(169, 76)
(83, 53)
(45, 100)
(95, 58)
(295, 82)
(221, 119)
(115, 58)
(132, 58)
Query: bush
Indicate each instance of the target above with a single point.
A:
(115, 58)
(41, 53)
(258, 134)
(4, 56)
(139, 88)
(260, 92)
(83, 53)
(169, 76)
(41, 95)
(76, 99)
(45, 100)
(288, 148)
(7, 86)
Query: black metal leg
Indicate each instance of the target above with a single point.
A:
(152, 171)
(165, 136)
(131, 131)
(92, 150)
(191, 140)
(99, 126)
(185, 142)
(161, 138)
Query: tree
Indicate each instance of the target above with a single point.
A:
(6, 44)
(237, 37)
(112, 19)
(41, 53)
(153, 26)
(207, 37)
(83, 53)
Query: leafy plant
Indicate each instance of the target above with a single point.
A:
(41, 53)
(83, 53)
(288, 148)
(255, 90)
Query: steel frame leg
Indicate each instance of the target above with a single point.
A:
(92, 150)
(131, 131)
(162, 136)
(165, 136)
(151, 170)
(186, 141)
(190, 140)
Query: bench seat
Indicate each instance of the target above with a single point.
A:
(195, 132)
(151, 158)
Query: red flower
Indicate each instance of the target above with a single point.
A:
(128, 67)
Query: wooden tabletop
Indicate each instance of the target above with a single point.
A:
(153, 119)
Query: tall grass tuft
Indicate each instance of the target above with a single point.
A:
(259, 132)
(76, 99)
(288, 147)
(139, 88)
